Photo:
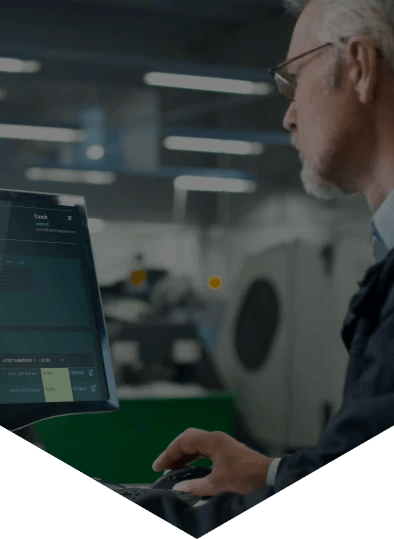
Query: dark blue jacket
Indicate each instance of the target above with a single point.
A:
(368, 398)
(367, 409)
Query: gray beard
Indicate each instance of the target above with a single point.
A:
(321, 189)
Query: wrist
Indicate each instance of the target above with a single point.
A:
(258, 470)
(264, 470)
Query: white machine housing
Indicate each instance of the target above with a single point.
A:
(282, 401)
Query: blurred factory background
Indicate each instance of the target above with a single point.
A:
(217, 271)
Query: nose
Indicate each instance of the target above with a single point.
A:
(289, 122)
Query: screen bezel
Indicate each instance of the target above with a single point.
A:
(17, 416)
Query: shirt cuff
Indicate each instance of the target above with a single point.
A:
(272, 469)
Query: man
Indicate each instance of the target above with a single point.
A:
(346, 139)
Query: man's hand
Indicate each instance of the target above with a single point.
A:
(235, 467)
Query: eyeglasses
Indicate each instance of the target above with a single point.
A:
(286, 83)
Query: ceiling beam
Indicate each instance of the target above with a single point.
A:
(244, 10)
(277, 139)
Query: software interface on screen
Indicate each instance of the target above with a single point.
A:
(49, 349)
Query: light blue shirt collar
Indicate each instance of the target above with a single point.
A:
(382, 228)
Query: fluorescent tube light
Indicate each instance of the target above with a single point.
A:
(67, 175)
(211, 183)
(210, 84)
(192, 144)
(32, 132)
(13, 65)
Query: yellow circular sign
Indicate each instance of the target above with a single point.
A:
(137, 277)
(215, 282)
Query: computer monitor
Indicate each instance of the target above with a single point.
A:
(54, 352)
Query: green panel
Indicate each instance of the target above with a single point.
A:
(121, 446)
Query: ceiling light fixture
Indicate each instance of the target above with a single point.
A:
(209, 84)
(212, 183)
(13, 65)
(96, 177)
(193, 144)
(33, 132)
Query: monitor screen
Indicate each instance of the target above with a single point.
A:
(54, 352)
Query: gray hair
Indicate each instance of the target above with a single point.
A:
(342, 19)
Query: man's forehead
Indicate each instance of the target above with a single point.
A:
(301, 39)
(295, 49)
(298, 45)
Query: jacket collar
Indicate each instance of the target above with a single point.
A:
(367, 294)
(382, 224)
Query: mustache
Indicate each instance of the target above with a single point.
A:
(293, 141)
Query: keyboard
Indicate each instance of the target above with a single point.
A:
(136, 495)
